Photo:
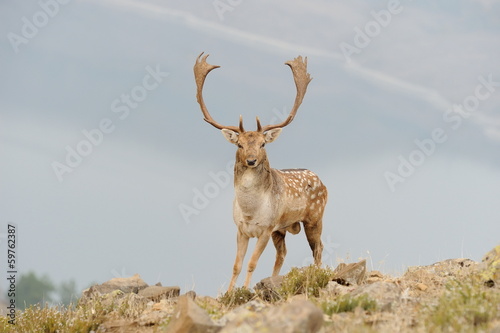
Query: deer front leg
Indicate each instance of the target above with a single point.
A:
(242, 245)
(259, 248)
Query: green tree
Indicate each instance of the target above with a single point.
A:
(31, 289)
(67, 292)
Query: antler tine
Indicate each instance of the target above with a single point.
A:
(201, 70)
(302, 79)
(259, 127)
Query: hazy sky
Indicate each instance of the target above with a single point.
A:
(108, 169)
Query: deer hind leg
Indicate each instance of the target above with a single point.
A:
(313, 234)
(279, 244)
(242, 244)
(259, 248)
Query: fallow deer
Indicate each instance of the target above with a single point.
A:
(268, 202)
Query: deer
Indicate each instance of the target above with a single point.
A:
(268, 202)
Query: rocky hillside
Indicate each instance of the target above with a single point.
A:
(456, 295)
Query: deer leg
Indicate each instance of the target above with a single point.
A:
(259, 248)
(242, 244)
(279, 244)
(313, 234)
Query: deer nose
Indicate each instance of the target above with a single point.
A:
(251, 162)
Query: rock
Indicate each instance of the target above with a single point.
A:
(422, 286)
(243, 311)
(191, 294)
(190, 318)
(384, 293)
(127, 285)
(423, 281)
(107, 300)
(149, 318)
(157, 293)
(350, 274)
(333, 288)
(207, 301)
(447, 268)
(117, 325)
(490, 267)
(374, 276)
(267, 288)
(298, 316)
(155, 313)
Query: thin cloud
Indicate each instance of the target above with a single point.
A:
(220, 30)
(381, 79)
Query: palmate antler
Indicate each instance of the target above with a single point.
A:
(302, 79)
(201, 70)
(300, 76)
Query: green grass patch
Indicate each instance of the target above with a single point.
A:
(348, 303)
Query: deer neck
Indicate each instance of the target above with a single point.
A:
(252, 180)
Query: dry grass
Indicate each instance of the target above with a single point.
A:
(431, 301)
(74, 318)
(465, 306)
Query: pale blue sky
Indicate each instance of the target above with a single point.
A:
(118, 212)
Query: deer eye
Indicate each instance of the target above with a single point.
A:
(263, 145)
(240, 146)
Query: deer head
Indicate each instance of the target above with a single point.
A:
(251, 152)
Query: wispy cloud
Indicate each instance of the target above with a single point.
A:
(379, 78)
(220, 30)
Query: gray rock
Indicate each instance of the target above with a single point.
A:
(350, 274)
(267, 288)
(386, 294)
(334, 288)
(191, 294)
(298, 316)
(490, 267)
(155, 313)
(243, 311)
(188, 317)
(127, 285)
(157, 293)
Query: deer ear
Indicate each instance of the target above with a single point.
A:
(272, 135)
(230, 136)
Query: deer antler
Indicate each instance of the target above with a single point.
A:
(302, 79)
(201, 70)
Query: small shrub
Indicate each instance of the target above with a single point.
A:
(236, 297)
(307, 280)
